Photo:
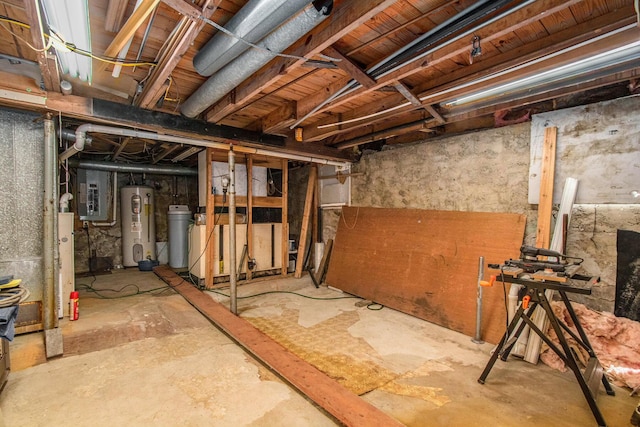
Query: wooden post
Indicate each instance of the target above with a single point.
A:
(545, 204)
(210, 224)
(543, 235)
(249, 214)
(304, 231)
(285, 217)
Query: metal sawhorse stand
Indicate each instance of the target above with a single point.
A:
(536, 284)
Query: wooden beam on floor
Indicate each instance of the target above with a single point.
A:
(348, 408)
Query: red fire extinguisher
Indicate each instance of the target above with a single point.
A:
(73, 305)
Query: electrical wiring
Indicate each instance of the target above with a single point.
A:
(13, 296)
(204, 250)
(284, 292)
(69, 46)
(47, 47)
(100, 292)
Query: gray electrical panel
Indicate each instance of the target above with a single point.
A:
(92, 195)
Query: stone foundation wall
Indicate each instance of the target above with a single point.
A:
(484, 171)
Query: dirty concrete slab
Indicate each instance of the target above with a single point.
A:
(166, 364)
(197, 377)
(420, 373)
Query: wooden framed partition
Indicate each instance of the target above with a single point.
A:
(249, 202)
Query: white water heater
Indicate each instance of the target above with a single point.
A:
(138, 224)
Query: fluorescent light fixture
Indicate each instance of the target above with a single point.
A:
(630, 52)
(69, 20)
(186, 153)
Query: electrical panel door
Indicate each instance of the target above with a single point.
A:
(92, 196)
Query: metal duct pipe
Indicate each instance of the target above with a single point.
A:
(128, 168)
(252, 23)
(81, 137)
(252, 60)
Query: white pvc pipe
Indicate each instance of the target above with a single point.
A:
(81, 136)
(64, 202)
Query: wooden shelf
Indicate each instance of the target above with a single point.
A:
(258, 202)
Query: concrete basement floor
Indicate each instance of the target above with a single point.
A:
(152, 359)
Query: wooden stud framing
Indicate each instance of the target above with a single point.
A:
(304, 231)
(249, 214)
(210, 224)
(285, 217)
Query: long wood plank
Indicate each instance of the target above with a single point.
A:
(425, 263)
(334, 398)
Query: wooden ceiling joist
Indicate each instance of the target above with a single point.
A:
(350, 67)
(165, 153)
(115, 15)
(406, 92)
(350, 15)
(47, 63)
(129, 28)
(487, 34)
(182, 41)
(279, 118)
(444, 85)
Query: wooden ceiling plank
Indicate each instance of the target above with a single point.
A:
(169, 62)
(555, 42)
(350, 67)
(400, 27)
(115, 15)
(129, 28)
(350, 15)
(47, 63)
(518, 19)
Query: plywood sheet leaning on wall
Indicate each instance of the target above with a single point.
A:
(425, 263)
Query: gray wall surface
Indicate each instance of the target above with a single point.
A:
(21, 203)
(488, 171)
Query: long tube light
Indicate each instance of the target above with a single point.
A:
(69, 19)
(618, 55)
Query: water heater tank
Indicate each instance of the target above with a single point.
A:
(138, 224)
